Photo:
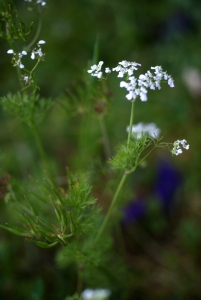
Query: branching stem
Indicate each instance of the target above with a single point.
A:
(111, 207)
(121, 183)
(131, 124)
(40, 147)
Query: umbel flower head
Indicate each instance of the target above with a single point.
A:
(96, 70)
(16, 60)
(37, 52)
(17, 57)
(141, 128)
(136, 87)
(177, 146)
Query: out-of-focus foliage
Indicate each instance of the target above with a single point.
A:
(161, 246)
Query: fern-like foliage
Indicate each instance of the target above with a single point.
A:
(51, 215)
(13, 24)
(28, 108)
(128, 156)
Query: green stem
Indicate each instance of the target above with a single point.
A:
(120, 183)
(133, 169)
(36, 34)
(17, 68)
(40, 147)
(111, 207)
(35, 67)
(79, 280)
(131, 123)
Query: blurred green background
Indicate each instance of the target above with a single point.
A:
(166, 33)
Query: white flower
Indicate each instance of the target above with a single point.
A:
(171, 82)
(177, 148)
(135, 86)
(98, 294)
(43, 3)
(37, 52)
(107, 70)
(25, 78)
(16, 60)
(41, 42)
(150, 128)
(32, 55)
(124, 67)
(96, 70)
(21, 66)
(138, 87)
(10, 51)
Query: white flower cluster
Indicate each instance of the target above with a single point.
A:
(37, 52)
(151, 129)
(96, 70)
(135, 86)
(98, 294)
(126, 67)
(18, 56)
(177, 148)
(43, 3)
(138, 87)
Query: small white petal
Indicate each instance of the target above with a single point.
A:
(123, 84)
(142, 77)
(32, 55)
(143, 97)
(99, 75)
(107, 70)
(10, 51)
(171, 82)
(131, 95)
(130, 72)
(121, 74)
(41, 42)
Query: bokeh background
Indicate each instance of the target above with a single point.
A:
(162, 222)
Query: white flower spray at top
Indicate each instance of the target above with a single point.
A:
(36, 53)
(138, 87)
(135, 86)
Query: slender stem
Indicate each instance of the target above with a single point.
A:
(105, 138)
(111, 207)
(40, 146)
(17, 68)
(79, 279)
(120, 183)
(19, 77)
(131, 123)
(35, 67)
(36, 34)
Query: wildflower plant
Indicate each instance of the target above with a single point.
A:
(71, 216)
